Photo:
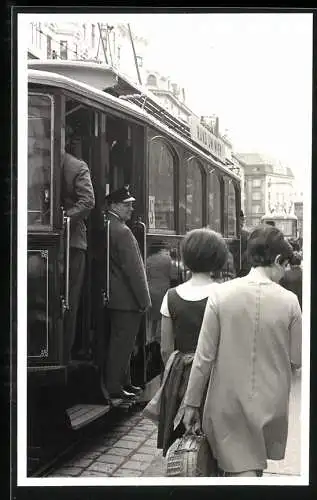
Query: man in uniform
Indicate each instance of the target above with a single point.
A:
(129, 295)
(78, 200)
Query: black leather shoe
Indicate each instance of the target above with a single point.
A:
(133, 389)
(122, 395)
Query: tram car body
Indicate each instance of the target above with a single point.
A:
(287, 224)
(178, 187)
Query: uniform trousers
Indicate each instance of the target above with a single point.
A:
(124, 329)
(76, 276)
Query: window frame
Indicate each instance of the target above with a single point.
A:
(175, 157)
(229, 181)
(214, 172)
(203, 189)
(45, 227)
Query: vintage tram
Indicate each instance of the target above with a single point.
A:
(286, 223)
(178, 186)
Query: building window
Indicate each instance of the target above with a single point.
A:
(49, 47)
(256, 183)
(84, 31)
(76, 50)
(256, 221)
(256, 195)
(151, 81)
(139, 61)
(63, 49)
(162, 207)
(194, 196)
(93, 36)
(256, 208)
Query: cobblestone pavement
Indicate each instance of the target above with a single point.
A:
(129, 450)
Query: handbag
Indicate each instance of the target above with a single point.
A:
(191, 456)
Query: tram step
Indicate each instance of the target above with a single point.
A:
(82, 414)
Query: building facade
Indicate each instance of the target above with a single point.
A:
(268, 186)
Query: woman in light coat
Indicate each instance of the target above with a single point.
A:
(249, 340)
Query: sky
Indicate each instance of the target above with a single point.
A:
(252, 70)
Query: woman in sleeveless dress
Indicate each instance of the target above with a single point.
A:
(204, 252)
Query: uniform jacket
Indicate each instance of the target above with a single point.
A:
(250, 336)
(128, 284)
(77, 198)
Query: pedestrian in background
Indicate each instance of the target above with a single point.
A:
(159, 274)
(129, 295)
(249, 340)
(293, 277)
(78, 200)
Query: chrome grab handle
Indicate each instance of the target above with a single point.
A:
(107, 229)
(144, 238)
(66, 221)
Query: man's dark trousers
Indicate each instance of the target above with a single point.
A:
(124, 329)
(76, 276)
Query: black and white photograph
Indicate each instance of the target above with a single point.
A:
(163, 248)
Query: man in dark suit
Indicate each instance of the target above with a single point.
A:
(129, 294)
(78, 200)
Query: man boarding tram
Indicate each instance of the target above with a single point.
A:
(78, 200)
(129, 295)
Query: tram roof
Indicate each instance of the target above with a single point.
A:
(57, 80)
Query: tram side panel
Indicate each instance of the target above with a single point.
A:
(47, 293)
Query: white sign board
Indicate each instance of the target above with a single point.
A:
(206, 139)
(151, 212)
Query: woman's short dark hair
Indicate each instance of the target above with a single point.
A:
(265, 242)
(204, 250)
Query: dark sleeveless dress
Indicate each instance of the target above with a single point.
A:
(187, 317)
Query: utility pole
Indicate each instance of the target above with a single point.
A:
(109, 28)
(135, 59)
(103, 44)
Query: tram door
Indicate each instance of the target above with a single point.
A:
(83, 141)
(125, 145)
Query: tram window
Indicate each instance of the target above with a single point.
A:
(214, 202)
(229, 209)
(286, 226)
(40, 153)
(119, 138)
(161, 187)
(194, 196)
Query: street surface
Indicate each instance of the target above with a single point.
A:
(129, 449)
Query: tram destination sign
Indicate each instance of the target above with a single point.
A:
(206, 139)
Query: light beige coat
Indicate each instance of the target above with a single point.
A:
(250, 334)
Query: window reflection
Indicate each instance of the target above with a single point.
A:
(161, 187)
(229, 209)
(214, 202)
(39, 159)
(194, 196)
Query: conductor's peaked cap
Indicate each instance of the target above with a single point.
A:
(121, 195)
